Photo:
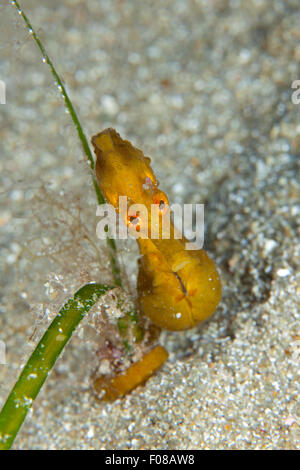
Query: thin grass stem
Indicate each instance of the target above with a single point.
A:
(43, 359)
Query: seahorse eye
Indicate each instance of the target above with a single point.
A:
(134, 221)
(161, 205)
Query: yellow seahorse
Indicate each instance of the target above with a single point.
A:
(177, 288)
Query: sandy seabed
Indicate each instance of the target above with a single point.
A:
(204, 88)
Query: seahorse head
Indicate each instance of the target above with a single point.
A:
(123, 170)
